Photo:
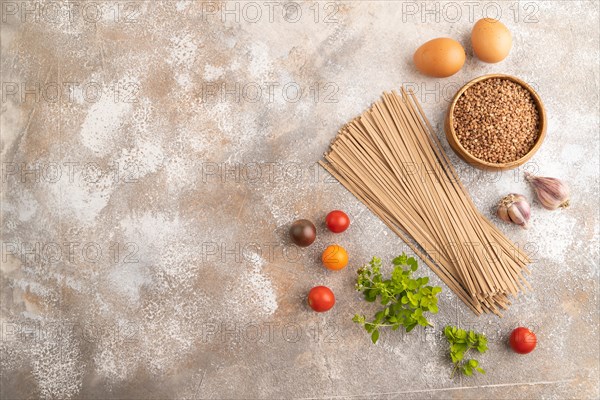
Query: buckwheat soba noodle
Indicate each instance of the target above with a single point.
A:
(390, 158)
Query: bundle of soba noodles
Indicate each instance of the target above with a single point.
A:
(391, 159)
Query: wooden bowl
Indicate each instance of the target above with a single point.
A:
(476, 162)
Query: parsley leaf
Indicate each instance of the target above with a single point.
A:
(461, 342)
(404, 298)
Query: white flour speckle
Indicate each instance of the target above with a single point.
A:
(260, 286)
(149, 228)
(127, 279)
(9, 125)
(61, 379)
(183, 80)
(182, 4)
(146, 157)
(260, 64)
(107, 366)
(83, 197)
(211, 73)
(281, 215)
(102, 123)
(27, 206)
(183, 52)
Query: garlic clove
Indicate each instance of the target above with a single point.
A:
(502, 213)
(514, 208)
(518, 214)
(551, 192)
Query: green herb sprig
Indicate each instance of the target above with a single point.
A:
(406, 300)
(461, 342)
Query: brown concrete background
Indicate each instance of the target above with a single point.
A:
(147, 187)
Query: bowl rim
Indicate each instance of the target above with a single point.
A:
(471, 159)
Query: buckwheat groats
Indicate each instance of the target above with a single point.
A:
(496, 120)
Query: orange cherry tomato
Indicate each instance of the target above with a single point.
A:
(335, 257)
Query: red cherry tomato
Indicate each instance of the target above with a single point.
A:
(337, 221)
(321, 298)
(522, 340)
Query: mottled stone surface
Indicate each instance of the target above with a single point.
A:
(154, 154)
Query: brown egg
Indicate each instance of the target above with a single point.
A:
(440, 57)
(491, 40)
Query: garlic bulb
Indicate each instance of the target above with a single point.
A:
(514, 208)
(551, 192)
